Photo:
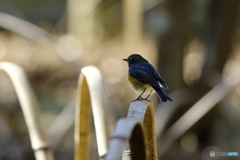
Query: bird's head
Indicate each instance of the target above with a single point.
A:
(135, 59)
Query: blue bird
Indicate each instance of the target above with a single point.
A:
(143, 77)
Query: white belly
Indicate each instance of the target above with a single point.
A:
(139, 88)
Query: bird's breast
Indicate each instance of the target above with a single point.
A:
(137, 85)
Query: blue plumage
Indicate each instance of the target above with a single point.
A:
(142, 77)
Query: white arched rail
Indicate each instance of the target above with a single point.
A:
(143, 111)
(90, 95)
(127, 131)
(30, 108)
(134, 137)
(140, 113)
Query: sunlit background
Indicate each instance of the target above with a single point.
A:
(193, 44)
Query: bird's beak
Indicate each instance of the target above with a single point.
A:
(125, 60)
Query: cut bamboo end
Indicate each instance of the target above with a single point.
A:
(143, 111)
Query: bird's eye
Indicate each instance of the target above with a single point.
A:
(132, 60)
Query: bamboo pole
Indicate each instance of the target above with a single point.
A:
(132, 19)
(30, 108)
(22, 27)
(199, 109)
(81, 20)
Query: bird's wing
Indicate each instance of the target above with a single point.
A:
(144, 75)
(161, 80)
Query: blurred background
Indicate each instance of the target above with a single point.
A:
(193, 44)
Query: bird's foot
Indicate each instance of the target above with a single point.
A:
(139, 99)
(146, 99)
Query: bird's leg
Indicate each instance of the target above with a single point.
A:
(141, 94)
(149, 95)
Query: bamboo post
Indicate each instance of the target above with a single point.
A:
(143, 111)
(81, 19)
(90, 95)
(140, 113)
(30, 108)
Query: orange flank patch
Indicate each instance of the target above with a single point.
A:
(132, 80)
(135, 84)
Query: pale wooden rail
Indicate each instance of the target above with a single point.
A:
(90, 95)
(140, 113)
(143, 111)
(127, 131)
(30, 108)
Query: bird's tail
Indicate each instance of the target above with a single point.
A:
(162, 95)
